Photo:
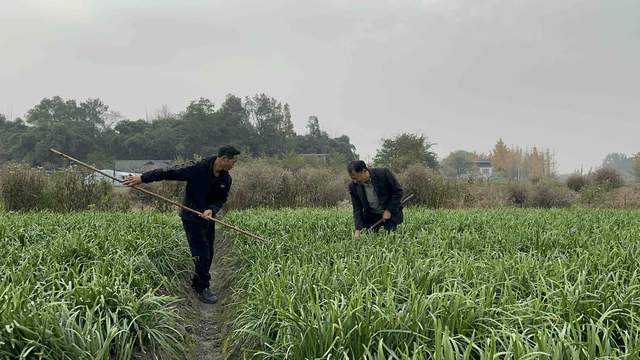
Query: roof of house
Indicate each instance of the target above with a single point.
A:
(483, 163)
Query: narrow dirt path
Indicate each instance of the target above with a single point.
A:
(208, 329)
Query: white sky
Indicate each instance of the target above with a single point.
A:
(562, 75)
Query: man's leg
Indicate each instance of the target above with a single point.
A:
(373, 218)
(205, 271)
(201, 279)
(201, 276)
(200, 238)
(390, 226)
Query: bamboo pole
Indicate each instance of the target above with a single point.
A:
(244, 232)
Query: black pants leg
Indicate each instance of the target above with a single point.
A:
(201, 242)
(201, 278)
(388, 225)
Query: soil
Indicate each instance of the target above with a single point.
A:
(207, 324)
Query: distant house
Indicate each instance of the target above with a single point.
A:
(485, 169)
(140, 166)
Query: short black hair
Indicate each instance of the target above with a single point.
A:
(356, 166)
(228, 151)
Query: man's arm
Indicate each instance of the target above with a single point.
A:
(396, 192)
(358, 217)
(183, 173)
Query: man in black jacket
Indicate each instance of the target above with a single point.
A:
(208, 184)
(375, 194)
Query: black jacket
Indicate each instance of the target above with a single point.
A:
(389, 194)
(204, 190)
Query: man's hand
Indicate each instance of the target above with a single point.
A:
(208, 214)
(357, 234)
(386, 215)
(132, 180)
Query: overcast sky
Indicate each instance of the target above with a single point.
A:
(563, 75)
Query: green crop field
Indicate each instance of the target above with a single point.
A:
(90, 285)
(475, 284)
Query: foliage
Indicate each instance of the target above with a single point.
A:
(576, 182)
(24, 188)
(621, 163)
(264, 184)
(258, 125)
(458, 163)
(518, 193)
(608, 178)
(549, 194)
(406, 149)
(515, 163)
(474, 284)
(428, 186)
(593, 195)
(90, 285)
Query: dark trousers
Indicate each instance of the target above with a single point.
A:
(388, 225)
(201, 239)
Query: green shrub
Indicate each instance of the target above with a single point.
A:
(316, 187)
(576, 182)
(70, 190)
(548, 194)
(23, 188)
(262, 184)
(429, 187)
(608, 178)
(592, 195)
(517, 193)
(173, 190)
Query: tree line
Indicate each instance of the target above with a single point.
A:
(258, 125)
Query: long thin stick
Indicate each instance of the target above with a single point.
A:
(380, 221)
(159, 196)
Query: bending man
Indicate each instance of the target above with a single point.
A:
(375, 194)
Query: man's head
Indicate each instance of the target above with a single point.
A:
(227, 157)
(358, 171)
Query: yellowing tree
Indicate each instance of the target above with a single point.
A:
(500, 156)
(536, 164)
(515, 163)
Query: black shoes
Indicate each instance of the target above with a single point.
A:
(206, 296)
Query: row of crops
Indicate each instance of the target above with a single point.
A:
(90, 285)
(477, 284)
